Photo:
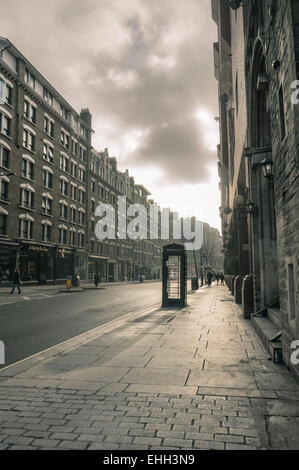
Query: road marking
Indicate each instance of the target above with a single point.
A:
(26, 298)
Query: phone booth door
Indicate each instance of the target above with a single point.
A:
(174, 276)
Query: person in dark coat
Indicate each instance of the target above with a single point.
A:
(209, 278)
(96, 279)
(222, 278)
(217, 276)
(16, 281)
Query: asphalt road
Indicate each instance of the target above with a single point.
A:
(30, 324)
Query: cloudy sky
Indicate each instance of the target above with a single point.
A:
(144, 68)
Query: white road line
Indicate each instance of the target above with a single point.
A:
(26, 298)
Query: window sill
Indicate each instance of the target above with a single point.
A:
(50, 136)
(31, 122)
(47, 214)
(29, 150)
(47, 161)
(31, 209)
(27, 179)
(5, 135)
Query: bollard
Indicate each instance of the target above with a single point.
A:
(238, 283)
(247, 297)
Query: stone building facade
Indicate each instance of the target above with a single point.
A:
(259, 159)
(52, 181)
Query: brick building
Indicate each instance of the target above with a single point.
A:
(51, 182)
(256, 64)
(44, 148)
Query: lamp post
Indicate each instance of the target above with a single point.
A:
(267, 169)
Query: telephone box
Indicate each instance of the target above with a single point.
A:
(174, 276)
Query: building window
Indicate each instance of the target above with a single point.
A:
(74, 169)
(282, 114)
(46, 205)
(72, 237)
(64, 112)
(26, 229)
(5, 124)
(82, 154)
(81, 239)
(48, 126)
(46, 232)
(81, 174)
(74, 147)
(28, 140)
(47, 179)
(27, 169)
(48, 97)
(3, 190)
(8, 95)
(63, 236)
(81, 194)
(93, 206)
(27, 198)
(65, 140)
(93, 186)
(92, 226)
(4, 156)
(63, 211)
(3, 219)
(81, 217)
(73, 194)
(29, 79)
(101, 192)
(2, 91)
(63, 187)
(29, 111)
(48, 154)
(73, 215)
(64, 163)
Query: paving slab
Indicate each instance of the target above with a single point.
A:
(195, 378)
(157, 376)
(229, 379)
(96, 374)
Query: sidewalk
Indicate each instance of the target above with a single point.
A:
(197, 378)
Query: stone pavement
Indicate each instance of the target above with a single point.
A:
(195, 378)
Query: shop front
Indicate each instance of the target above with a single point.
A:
(97, 265)
(36, 263)
(63, 264)
(8, 259)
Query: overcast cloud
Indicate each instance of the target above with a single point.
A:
(143, 67)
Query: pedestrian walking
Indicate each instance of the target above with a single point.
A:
(222, 278)
(217, 276)
(96, 279)
(16, 281)
(209, 278)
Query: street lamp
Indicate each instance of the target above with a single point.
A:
(251, 208)
(267, 168)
